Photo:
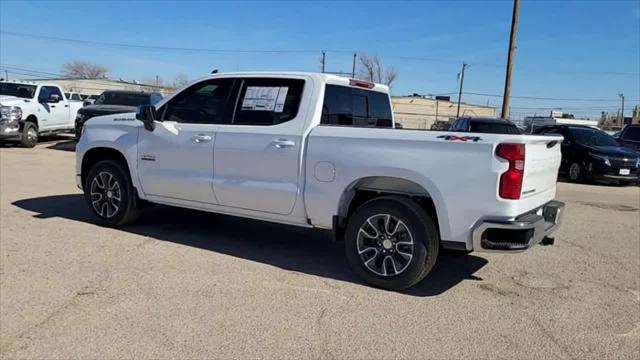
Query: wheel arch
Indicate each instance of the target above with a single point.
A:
(97, 154)
(370, 187)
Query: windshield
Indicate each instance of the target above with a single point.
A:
(494, 128)
(18, 90)
(121, 98)
(593, 137)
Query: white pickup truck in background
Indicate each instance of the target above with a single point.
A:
(318, 150)
(30, 110)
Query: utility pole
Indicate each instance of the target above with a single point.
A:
(437, 105)
(622, 121)
(353, 68)
(464, 66)
(157, 80)
(512, 48)
(6, 74)
(324, 59)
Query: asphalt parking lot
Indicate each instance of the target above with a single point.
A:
(184, 284)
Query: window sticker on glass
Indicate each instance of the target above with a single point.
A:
(265, 98)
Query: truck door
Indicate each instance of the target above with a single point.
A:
(257, 158)
(52, 115)
(175, 160)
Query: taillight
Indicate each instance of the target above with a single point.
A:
(511, 180)
(361, 83)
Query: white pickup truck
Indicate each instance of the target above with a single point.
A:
(318, 150)
(29, 110)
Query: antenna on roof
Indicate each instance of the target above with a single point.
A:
(215, 71)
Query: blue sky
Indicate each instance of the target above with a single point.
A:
(566, 49)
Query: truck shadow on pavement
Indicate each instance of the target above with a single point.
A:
(292, 248)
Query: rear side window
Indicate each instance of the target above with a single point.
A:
(632, 133)
(348, 106)
(494, 128)
(268, 101)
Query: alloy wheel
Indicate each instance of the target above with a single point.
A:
(105, 194)
(385, 245)
(574, 171)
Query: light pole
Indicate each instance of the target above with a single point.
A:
(622, 121)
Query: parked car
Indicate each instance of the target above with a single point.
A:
(74, 96)
(30, 110)
(114, 102)
(484, 125)
(318, 150)
(591, 154)
(89, 99)
(630, 137)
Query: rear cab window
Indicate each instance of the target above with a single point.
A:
(494, 128)
(348, 106)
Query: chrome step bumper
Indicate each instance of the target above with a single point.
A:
(521, 233)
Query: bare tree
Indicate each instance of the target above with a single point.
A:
(180, 80)
(372, 69)
(84, 70)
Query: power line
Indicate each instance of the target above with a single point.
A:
(539, 98)
(155, 47)
(291, 51)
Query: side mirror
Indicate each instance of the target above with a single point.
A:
(147, 114)
(86, 103)
(54, 98)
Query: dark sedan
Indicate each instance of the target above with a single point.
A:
(592, 154)
(114, 102)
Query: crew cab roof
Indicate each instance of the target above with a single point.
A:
(331, 79)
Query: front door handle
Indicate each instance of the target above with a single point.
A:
(282, 143)
(201, 138)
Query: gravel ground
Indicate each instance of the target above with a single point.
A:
(184, 284)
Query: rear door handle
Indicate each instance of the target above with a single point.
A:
(201, 138)
(282, 143)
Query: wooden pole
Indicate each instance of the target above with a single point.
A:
(512, 47)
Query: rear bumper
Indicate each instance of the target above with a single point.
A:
(521, 233)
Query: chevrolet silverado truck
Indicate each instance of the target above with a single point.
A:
(29, 110)
(321, 151)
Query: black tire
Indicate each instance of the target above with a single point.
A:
(29, 137)
(577, 175)
(422, 231)
(113, 212)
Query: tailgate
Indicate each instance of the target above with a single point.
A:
(542, 160)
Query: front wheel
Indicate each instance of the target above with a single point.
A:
(29, 137)
(110, 195)
(391, 242)
(576, 172)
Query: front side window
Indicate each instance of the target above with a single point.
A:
(268, 101)
(593, 137)
(47, 91)
(206, 102)
(349, 106)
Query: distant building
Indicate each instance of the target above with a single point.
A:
(97, 86)
(419, 112)
(610, 121)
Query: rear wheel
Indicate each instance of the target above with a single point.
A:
(29, 136)
(391, 242)
(110, 195)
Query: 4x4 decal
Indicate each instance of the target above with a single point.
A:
(460, 138)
